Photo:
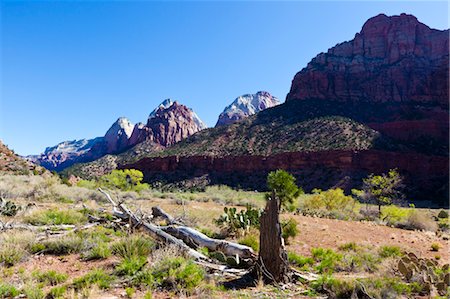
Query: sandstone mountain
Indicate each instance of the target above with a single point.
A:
(377, 102)
(169, 123)
(245, 106)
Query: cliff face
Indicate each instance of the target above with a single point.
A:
(425, 175)
(168, 125)
(393, 59)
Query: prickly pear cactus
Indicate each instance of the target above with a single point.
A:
(426, 272)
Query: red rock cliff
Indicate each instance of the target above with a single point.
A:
(392, 59)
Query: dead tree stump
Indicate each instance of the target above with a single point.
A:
(272, 260)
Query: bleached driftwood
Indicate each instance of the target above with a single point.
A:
(159, 212)
(197, 239)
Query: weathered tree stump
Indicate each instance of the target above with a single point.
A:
(272, 260)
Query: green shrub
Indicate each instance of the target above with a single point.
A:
(393, 214)
(33, 292)
(8, 291)
(10, 254)
(337, 288)
(250, 240)
(8, 208)
(327, 258)
(389, 251)
(55, 217)
(133, 246)
(98, 252)
(97, 277)
(126, 180)
(143, 277)
(359, 261)
(331, 200)
(130, 292)
(50, 277)
(289, 229)
(60, 246)
(443, 214)
(130, 266)
(435, 247)
(420, 221)
(299, 260)
(351, 246)
(57, 292)
(178, 274)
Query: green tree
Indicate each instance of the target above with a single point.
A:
(127, 180)
(384, 189)
(282, 184)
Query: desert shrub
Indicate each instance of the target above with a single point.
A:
(299, 260)
(289, 229)
(443, 214)
(133, 246)
(178, 274)
(55, 217)
(33, 292)
(10, 254)
(251, 240)
(130, 266)
(60, 246)
(336, 288)
(57, 292)
(389, 251)
(435, 247)
(233, 221)
(393, 214)
(358, 261)
(420, 221)
(443, 224)
(351, 246)
(126, 180)
(8, 291)
(50, 277)
(98, 252)
(143, 278)
(98, 277)
(87, 184)
(327, 259)
(331, 200)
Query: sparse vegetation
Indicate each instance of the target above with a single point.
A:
(55, 217)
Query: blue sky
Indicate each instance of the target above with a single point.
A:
(70, 69)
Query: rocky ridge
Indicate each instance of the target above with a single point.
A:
(245, 106)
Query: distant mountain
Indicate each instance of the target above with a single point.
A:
(65, 153)
(169, 123)
(245, 106)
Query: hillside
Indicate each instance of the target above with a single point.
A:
(11, 163)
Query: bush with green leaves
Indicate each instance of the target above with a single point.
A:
(234, 221)
(289, 229)
(55, 217)
(126, 180)
(250, 240)
(8, 291)
(178, 274)
(95, 277)
(331, 200)
(133, 246)
(50, 277)
(282, 184)
(327, 259)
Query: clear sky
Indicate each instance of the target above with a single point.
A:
(70, 69)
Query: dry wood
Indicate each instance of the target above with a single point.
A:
(122, 211)
(272, 258)
(196, 239)
(159, 212)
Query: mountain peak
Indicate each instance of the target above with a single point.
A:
(164, 105)
(246, 105)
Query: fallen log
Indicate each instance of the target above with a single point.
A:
(196, 239)
(159, 212)
(122, 211)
